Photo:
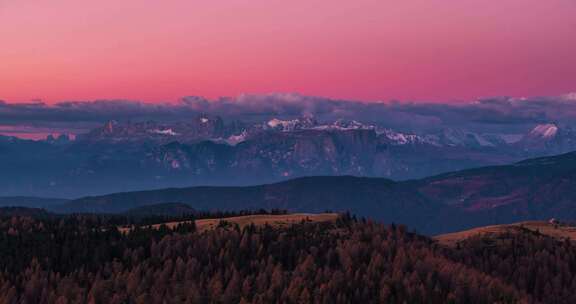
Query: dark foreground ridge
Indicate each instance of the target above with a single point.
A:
(85, 259)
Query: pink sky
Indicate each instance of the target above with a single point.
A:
(361, 49)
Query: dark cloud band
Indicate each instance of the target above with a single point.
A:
(494, 113)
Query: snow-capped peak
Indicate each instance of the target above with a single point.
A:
(291, 125)
(545, 130)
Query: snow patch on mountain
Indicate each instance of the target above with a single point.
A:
(511, 138)
(482, 141)
(400, 139)
(236, 139)
(343, 125)
(285, 125)
(291, 125)
(544, 131)
(169, 132)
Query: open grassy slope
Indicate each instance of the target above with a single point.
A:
(553, 230)
(281, 220)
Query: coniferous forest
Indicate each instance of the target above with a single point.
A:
(86, 259)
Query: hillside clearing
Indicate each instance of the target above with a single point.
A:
(281, 220)
(553, 230)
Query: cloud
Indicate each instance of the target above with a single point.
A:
(489, 115)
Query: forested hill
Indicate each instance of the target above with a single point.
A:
(536, 189)
(78, 259)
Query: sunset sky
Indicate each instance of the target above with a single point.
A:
(433, 50)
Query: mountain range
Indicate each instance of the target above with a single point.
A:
(535, 189)
(128, 156)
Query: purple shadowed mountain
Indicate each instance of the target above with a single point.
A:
(126, 156)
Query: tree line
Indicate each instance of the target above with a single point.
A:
(85, 259)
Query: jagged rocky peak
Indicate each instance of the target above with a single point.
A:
(309, 122)
(114, 129)
(209, 127)
(201, 127)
